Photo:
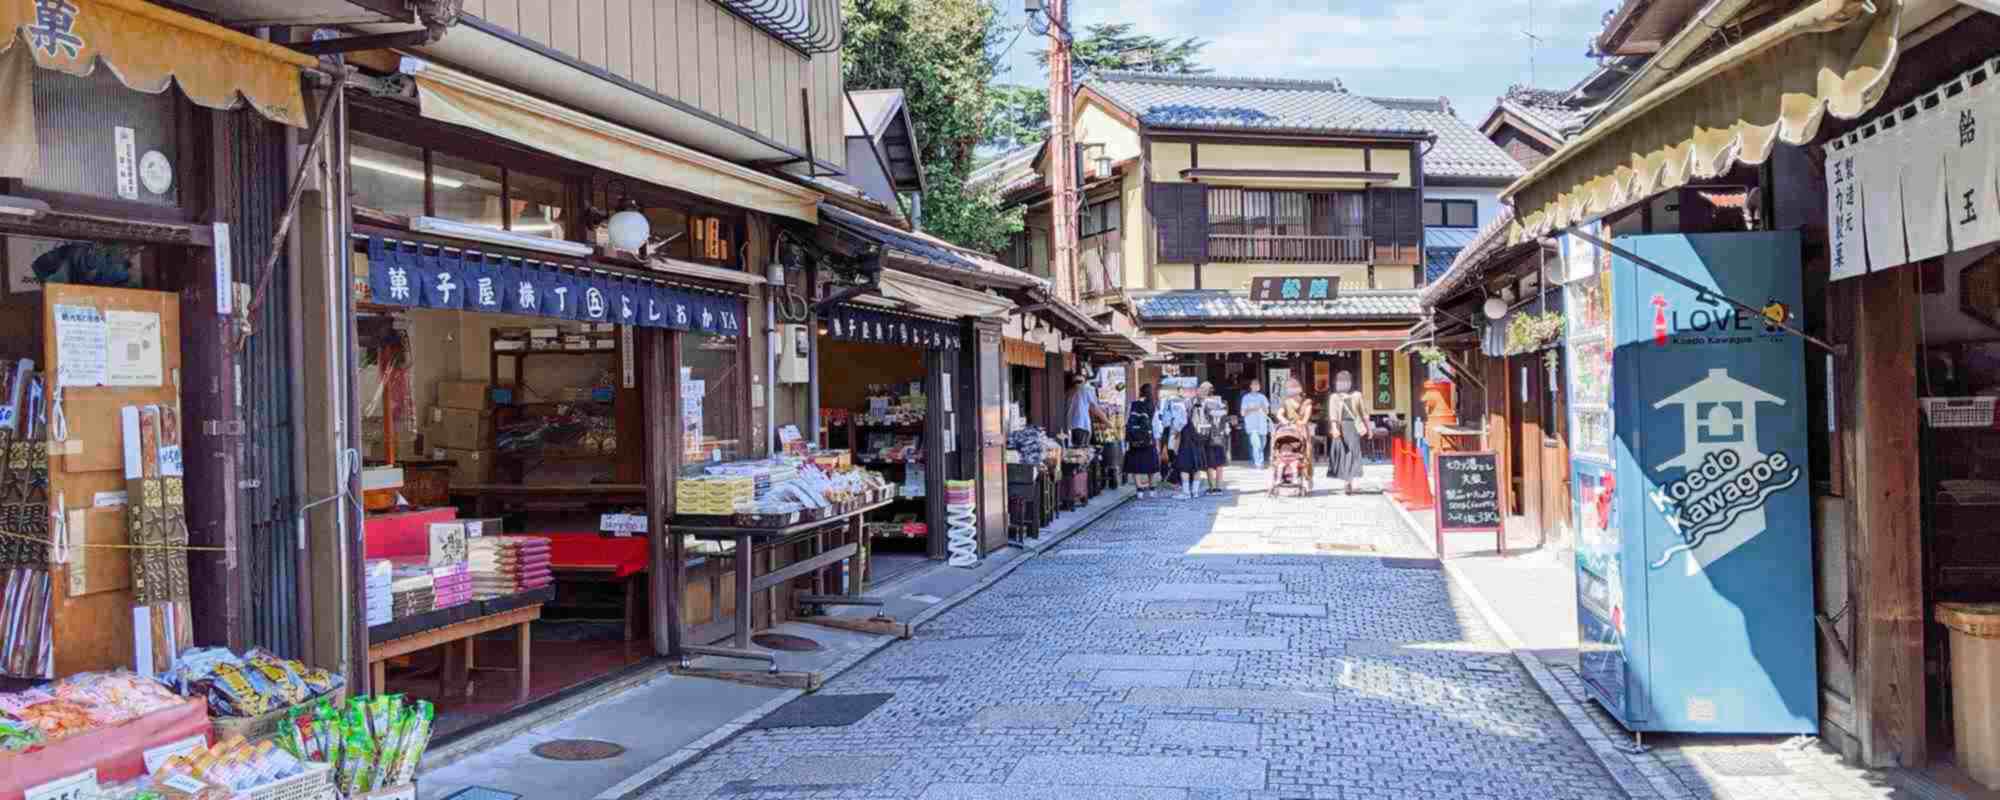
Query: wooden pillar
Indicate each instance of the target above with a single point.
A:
(986, 378)
(658, 363)
(940, 370)
(1879, 381)
(1499, 390)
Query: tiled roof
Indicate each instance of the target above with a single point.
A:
(1461, 151)
(1208, 304)
(923, 246)
(1254, 104)
(1010, 167)
(1547, 109)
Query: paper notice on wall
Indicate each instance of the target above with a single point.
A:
(1972, 166)
(81, 346)
(133, 349)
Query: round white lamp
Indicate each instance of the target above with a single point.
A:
(1495, 307)
(630, 230)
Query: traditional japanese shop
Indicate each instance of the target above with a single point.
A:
(556, 359)
(142, 185)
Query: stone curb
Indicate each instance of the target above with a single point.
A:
(1638, 782)
(659, 771)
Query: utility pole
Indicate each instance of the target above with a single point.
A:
(1062, 155)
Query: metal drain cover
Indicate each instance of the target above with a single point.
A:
(785, 642)
(578, 750)
(1746, 764)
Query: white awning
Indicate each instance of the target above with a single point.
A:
(450, 96)
(938, 298)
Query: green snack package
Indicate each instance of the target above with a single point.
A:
(357, 763)
(415, 741)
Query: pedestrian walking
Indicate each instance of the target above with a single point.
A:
(1346, 427)
(1142, 453)
(1255, 409)
(1190, 441)
(1217, 412)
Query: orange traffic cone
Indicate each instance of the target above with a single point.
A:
(1420, 484)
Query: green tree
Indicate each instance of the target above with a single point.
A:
(1021, 114)
(1113, 46)
(939, 52)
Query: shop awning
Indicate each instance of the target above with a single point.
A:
(937, 298)
(1119, 345)
(1282, 340)
(450, 96)
(149, 48)
(1829, 57)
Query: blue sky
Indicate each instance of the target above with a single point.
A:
(1465, 50)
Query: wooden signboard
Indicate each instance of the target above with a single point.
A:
(94, 607)
(1468, 496)
(1294, 287)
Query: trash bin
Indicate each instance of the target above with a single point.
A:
(1975, 687)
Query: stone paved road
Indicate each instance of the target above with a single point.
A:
(1239, 647)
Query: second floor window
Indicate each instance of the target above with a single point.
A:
(390, 176)
(1451, 214)
(1100, 217)
(1268, 213)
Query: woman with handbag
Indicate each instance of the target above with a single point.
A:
(1346, 427)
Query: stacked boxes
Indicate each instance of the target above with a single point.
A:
(714, 494)
(460, 429)
(451, 585)
(377, 576)
(412, 590)
(504, 565)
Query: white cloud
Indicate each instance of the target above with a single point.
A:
(1468, 51)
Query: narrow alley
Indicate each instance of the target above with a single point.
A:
(1240, 646)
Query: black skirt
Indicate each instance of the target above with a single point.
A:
(1218, 451)
(1193, 453)
(1142, 458)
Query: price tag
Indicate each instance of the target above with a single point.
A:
(80, 786)
(159, 755)
(622, 524)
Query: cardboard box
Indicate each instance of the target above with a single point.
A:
(459, 429)
(473, 465)
(464, 394)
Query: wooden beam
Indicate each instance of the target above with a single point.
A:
(1887, 548)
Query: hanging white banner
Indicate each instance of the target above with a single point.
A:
(1843, 217)
(1972, 165)
(1922, 157)
(1880, 170)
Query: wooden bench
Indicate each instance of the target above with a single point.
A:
(457, 639)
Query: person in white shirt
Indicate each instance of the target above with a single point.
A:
(1083, 411)
(1255, 409)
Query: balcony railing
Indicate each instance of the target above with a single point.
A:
(1299, 249)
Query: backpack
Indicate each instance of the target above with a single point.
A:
(1139, 422)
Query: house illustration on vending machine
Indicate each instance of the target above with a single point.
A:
(1717, 503)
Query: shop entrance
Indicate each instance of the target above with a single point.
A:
(497, 445)
(892, 406)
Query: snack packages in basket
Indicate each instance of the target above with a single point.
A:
(255, 683)
(372, 742)
(232, 764)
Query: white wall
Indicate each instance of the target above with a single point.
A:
(1489, 199)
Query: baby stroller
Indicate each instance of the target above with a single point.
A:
(1292, 460)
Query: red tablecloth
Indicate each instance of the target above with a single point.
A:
(624, 556)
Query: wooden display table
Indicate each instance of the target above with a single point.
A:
(491, 499)
(457, 638)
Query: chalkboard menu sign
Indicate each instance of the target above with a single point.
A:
(1468, 493)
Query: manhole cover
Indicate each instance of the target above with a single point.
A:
(1746, 765)
(578, 750)
(785, 642)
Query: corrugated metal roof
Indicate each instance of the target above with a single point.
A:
(1249, 104)
(1212, 304)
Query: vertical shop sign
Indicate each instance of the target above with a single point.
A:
(1384, 391)
(1972, 207)
(225, 270)
(1843, 212)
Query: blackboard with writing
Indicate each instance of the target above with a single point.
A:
(1468, 492)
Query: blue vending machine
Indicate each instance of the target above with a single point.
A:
(1688, 460)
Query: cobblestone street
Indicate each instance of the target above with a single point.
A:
(1239, 646)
